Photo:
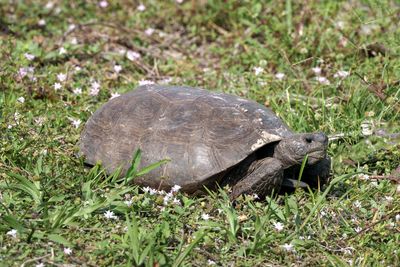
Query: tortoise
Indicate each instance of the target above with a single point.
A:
(212, 139)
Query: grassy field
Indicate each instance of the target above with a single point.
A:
(327, 66)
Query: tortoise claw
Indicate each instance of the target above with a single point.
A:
(291, 183)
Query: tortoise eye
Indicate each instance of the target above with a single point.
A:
(309, 139)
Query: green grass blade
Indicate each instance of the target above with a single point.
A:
(289, 21)
(59, 239)
(151, 167)
(13, 223)
(137, 156)
(303, 165)
(27, 186)
(199, 236)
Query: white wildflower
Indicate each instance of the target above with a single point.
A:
(205, 216)
(397, 217)
(103, 4)
(94, 89)
(128, 202)
(67, 251)
(29, 57)
(40, 264)
(61, 77)
(49, 5)
(12, 233)
(41, 22)
(340, 24)
(323, 80)
(316, 70)
(17, 116)
(358, 229)
(209, 262)
(57, 86)
(21, 99)
(71, 27)
(149, 31)
(141, 8)
(279, 75)
(153, 191)
(145, 82)
(357, 204)
(146, 189)
(368, 28)
(76, 122)
(117, 68)
(77, 68)
(110, 215)
(176, 201)
(389, 198)
(258, 70)
(122, 51)
(74, 41)
(166, 199)
(279, 226)
(288, 247)
(255, 196)
(341, 74)
(62, 51)
(176, 188)
(132, 55)
(22, 72)
(77, 91)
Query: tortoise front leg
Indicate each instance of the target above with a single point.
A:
(263, 177)
(318, 174)
(313, 176)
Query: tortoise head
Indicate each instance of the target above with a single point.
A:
(292, 150)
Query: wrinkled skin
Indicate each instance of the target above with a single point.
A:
(292, 150)
(266, 175)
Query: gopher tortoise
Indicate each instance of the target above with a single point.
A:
(212, 139)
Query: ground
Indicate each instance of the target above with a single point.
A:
(328, 66)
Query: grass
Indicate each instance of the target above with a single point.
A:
(65, 214)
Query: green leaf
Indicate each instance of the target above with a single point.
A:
(151, 167)
(199, 236)
(27, 186)
(13, 223)
(56, 198)
(303, 165)
(137, 156)
(59, 239)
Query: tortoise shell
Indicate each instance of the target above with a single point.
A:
(203, 134)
